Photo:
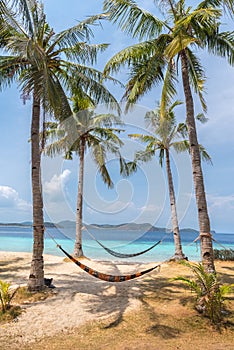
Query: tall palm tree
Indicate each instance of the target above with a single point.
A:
(174, 42)
(165, 135)
(43, 64)
(86, 130)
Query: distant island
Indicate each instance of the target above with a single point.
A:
(146, 227)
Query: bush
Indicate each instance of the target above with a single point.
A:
(210, 295)
(6, 295)
(224, 254)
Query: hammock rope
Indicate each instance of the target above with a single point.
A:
(121, 255)
(100, 275)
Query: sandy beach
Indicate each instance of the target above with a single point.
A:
(78, 297)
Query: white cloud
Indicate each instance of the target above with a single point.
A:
(150, 208)
(221, 208)
(56, 204)
(9, 199)
(221, 202)
(53, 189)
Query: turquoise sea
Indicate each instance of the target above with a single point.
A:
(19, 239)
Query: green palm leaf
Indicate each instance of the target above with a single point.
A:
(132, 19)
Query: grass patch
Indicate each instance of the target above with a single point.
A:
(10, 315)
(24, 296)
(145, 329)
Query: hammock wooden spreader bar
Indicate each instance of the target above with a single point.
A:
(104, 276)
(121, 255)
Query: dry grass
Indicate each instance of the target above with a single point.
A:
(23, 296)
(165, 321)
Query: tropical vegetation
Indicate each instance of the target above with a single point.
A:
(44, 65)
(6, 295)
(86, 130)
(210, 294)
(165, 134)
(172, 45)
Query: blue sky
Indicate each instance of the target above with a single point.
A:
(143, 197)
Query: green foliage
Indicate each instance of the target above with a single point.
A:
(210, 294)
(48, 64)
(224, 254)
(156, 59)
(97, 132)
(6, 295)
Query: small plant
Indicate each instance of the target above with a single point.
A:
(6, 295)
(210, 295)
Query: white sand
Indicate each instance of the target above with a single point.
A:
(78, 297)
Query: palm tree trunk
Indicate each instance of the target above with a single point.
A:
(179, 255)
(203, 217)
(36, 277)
(78, 252)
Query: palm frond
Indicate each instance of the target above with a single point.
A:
(226, 5)
(9, 22)
(169, 88)
(179, 43)
(125, 169)
(222, 44)
(204, 17)
(152, 118)
(131, 167)
(190, 283)
(82, 52)
(11, 68)
(205, 155)
(26, 7)
(132, 19)
(197, 76)
(182, 130)
(202, 118)
(144, 156)
(99, 156)
(71, 36)
(130, 55)
(82, 31)
(55, 148)
(181, 146)
(142, 138)
(143, 77)
(90, 80)
(106, 120)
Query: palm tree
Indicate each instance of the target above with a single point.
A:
(165, 134)
(86, 130)
(173, 43)
(43, 64)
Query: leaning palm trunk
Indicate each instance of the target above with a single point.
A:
(203, 217)
(79, 210)
(36, 278)
(179, 255)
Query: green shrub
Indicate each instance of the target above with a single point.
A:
(6, 295)
(224, 254)
(210, 295)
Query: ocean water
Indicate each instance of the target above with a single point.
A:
(20, 239)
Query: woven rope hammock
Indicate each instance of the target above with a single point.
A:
(121, 255)
(104, 276)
